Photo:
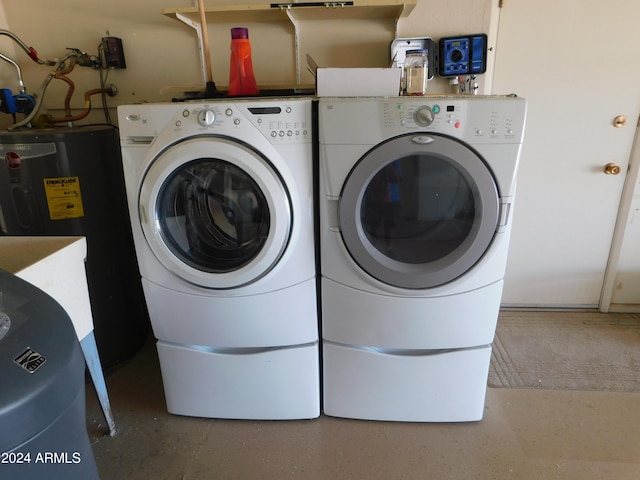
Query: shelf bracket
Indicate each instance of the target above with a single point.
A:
(198, 28)
(296, 30)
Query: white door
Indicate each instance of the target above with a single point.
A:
(577, 63)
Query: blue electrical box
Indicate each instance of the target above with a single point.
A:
(462, 55)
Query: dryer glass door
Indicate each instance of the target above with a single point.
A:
(220, 214)
(419, 210)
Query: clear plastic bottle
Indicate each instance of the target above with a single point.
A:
(242, 81)
(416, 72)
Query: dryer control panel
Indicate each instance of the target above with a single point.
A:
(474, 121)
(449, 118)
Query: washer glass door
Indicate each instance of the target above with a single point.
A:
(419, 210)
(220, 215)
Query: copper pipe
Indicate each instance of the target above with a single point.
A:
(70, 90)
(85, 112)
(43, 88)
(73, 61)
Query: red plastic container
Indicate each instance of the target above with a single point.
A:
(242, 81)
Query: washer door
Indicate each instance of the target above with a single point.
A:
(215, 212)
(419, 210)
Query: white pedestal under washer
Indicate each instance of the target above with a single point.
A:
(415, 218)
(221, 202)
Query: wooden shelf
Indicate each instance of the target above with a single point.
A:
(265, 12)
(295, 13)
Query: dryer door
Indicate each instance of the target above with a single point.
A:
(215, 212)
(419, 210)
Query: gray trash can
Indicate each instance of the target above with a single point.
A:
(43, 431)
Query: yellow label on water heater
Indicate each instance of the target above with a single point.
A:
(63, 197)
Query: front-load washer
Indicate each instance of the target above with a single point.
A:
(416, 197)
(221, 202)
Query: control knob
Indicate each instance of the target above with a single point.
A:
(206, 117)
(423, 116)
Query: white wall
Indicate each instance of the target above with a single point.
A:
(162, 55)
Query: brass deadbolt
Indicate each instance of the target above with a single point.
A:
(611, 169)
(620, 121)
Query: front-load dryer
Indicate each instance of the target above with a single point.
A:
(416, 199)
(221, 202)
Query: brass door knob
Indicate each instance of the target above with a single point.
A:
(620, 121)
(611, 169)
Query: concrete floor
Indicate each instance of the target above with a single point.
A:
(525, 434)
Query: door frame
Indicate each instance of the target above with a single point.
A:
(630, 190)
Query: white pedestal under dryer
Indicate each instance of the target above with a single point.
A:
(221, 202)
(416, 197)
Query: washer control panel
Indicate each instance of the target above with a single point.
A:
(279, 121)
